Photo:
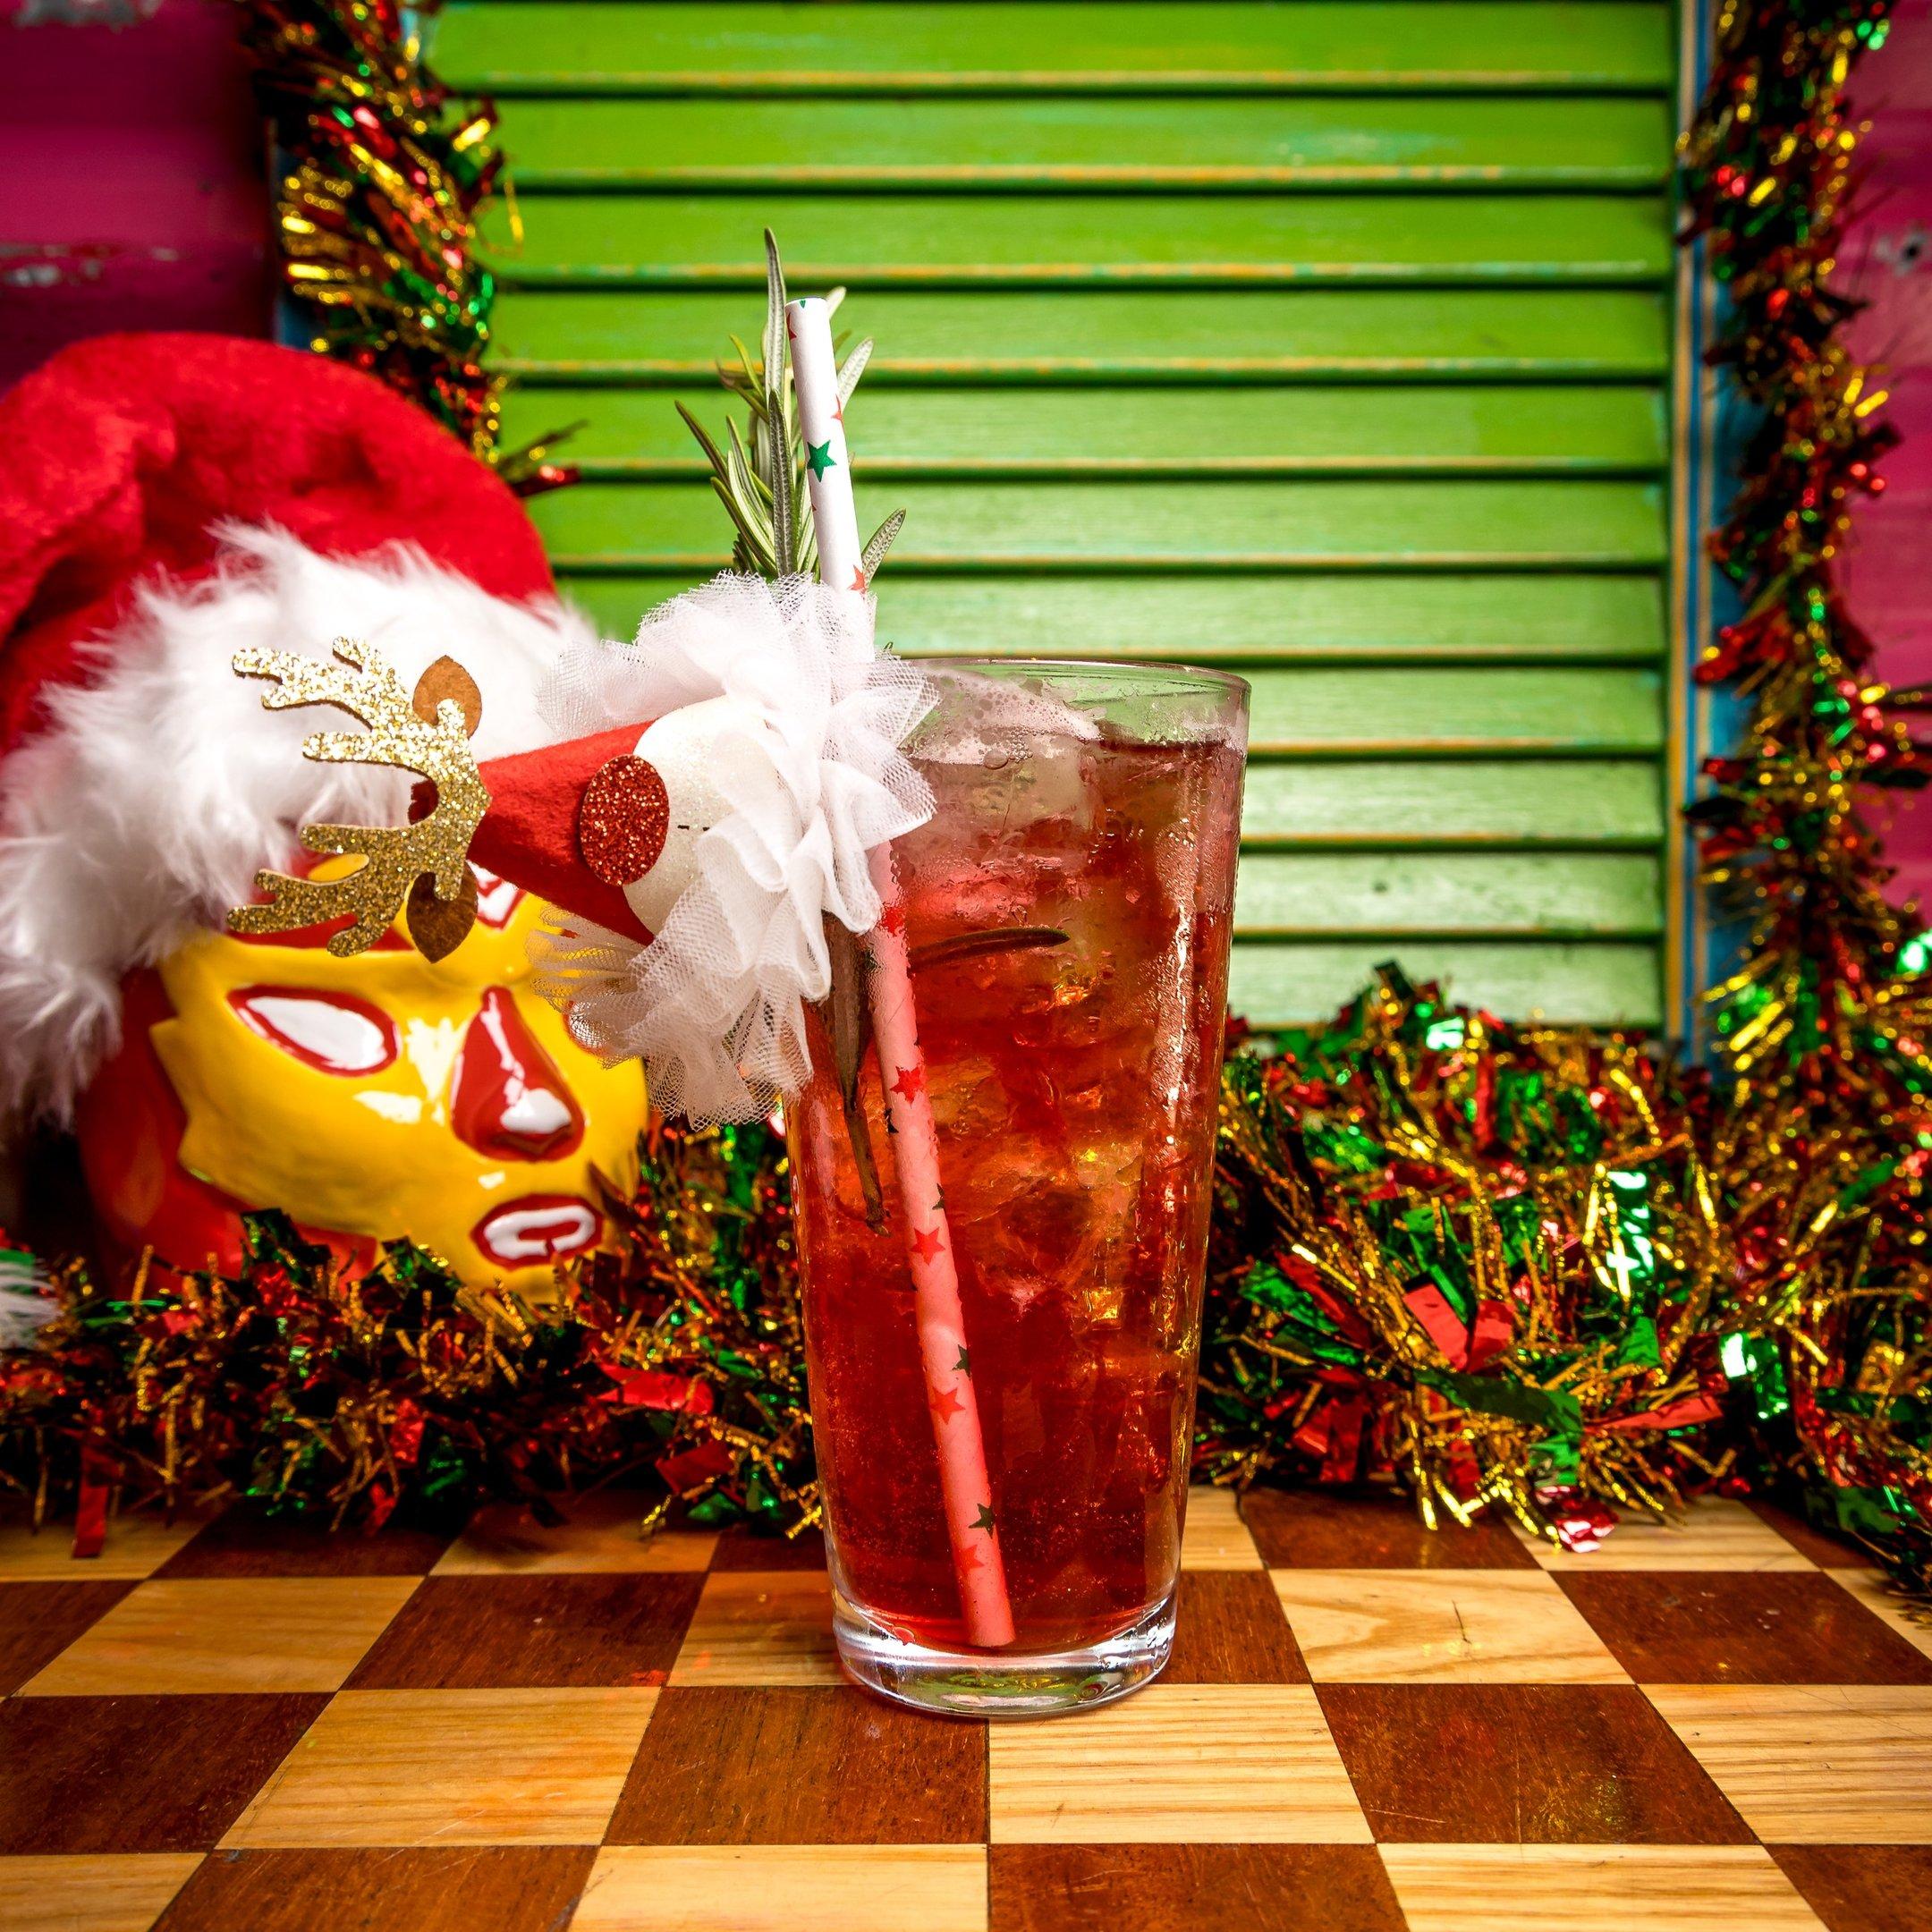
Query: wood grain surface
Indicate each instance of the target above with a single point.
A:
(1418, 1783)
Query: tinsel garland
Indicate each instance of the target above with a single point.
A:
(1511, 1266)
(676, 1358)
(376, 210)
(1488, 1260)
(1823, 1028)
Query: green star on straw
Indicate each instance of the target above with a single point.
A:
(984, 1520)
(818, 457)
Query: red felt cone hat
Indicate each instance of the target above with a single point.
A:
(575, 824)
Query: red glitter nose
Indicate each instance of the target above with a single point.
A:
(508, 1098)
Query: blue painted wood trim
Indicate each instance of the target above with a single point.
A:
(1710, 429)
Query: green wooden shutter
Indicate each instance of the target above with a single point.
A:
(1327, 340)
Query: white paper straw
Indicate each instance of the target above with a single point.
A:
(966, 1491)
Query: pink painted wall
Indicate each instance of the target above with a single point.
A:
(131, 189)
(1887, 259)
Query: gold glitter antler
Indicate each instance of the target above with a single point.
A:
(393, 857)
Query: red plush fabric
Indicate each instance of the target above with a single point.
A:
(118, 454)
(529, 834)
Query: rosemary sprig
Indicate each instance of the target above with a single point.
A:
(759, 477)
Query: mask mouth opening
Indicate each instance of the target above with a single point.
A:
(537, 1228)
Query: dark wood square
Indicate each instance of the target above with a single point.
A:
(447, 1888)
(506, 1632)
(801, 1766)
(1761, 1626)
(38, 1620)
(138, 1774)
(1191, 1888)
(1863, 1888)
(750, 1549)
(1547, 1764)
(1231, 1630)
(245, 1542)
(1354, 1530)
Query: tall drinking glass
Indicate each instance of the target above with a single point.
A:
(1067, 913)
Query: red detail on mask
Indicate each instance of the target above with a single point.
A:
(497, 899)
(130, 1125)
(332, 1032)
(536, 1228)
(508, 1098)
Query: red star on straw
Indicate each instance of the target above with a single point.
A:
(969, 1558)
(945, 1405)
(857, 579)
(927, 1245)
(910, 1082)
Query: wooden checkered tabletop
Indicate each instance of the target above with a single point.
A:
(258, 1729)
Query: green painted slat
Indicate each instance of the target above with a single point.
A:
(1391, 803)
(1238, 620)
(1122, 334)
(1365, 395)
(1617, 985)
(1182, 432)
(1486, 708)
(1338, 45)
(1211, 524)
(1402, 897)
(1073, 239)
(1499, 141)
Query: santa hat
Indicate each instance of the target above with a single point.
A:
(165, 501)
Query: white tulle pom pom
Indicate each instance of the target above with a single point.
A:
(778, 732)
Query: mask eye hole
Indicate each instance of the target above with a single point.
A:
(332, 1032)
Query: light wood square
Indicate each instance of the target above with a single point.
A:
(1441, 1626)
(92, 1892)
(1869, 1588)
(1813, 1763)
(785, 1888)
(185, 1634)
(1213, 1764)
(602, 1532)
(1216, 1538)
(760, 1627)
(435, 1767)
(136, 1545)
(1594, 1888)
(1713, 1534)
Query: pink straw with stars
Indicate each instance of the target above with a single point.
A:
(964, 1488)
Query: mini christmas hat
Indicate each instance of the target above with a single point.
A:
(709, 798)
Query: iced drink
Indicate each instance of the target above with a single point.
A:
(1067, 909)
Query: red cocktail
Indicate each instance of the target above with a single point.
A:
(1067, 910)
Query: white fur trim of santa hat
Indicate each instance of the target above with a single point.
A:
(154, 793)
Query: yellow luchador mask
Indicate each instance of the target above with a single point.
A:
(369, 1097)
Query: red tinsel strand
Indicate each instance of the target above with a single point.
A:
(1767, 186)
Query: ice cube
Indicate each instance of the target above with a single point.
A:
(978, 718)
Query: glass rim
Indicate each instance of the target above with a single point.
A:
(1149, 670)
